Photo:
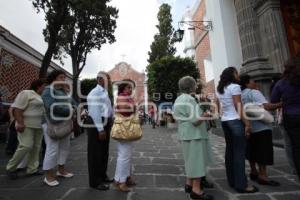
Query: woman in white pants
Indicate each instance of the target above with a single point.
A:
(125, 107)
(57, 108)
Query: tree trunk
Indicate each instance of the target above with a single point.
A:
(47, 58)
(75, 80)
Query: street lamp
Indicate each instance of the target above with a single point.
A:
(202, 25)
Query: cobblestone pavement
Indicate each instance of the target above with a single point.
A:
(158, 169)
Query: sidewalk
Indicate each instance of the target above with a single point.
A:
(158, 169)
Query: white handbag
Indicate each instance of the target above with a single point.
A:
(257, 112)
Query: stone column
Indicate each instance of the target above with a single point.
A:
(272, 31)
(254, 62)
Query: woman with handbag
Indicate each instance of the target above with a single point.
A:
(58, 127)
(125, 108)
(28, 110)
(259, 143)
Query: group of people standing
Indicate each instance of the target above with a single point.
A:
(34, 109)
(49, 102)
(252, 139)
(101, 115)
(45, 102)
(244, 138)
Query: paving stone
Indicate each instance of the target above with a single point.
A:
(157, 169)
(84, 194)
(285, 186)
(141, 161)
(157, 166)
(170, 151)
(295, 196)
(217, 173)
(254, 196)
(144, 180)
(157, 194)
(169, 181)
(22, 181)
(159, 155)
(168, 161)
(284, 168)
(33, 194)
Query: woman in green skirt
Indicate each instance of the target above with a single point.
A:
(192, 133)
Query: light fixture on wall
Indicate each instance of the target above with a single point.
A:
(192, 25)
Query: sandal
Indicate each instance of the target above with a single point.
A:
(202, 196)
(130, 182)
(248, 190)
(268, 182)
(188, 188)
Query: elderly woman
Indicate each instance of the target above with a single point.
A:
(194, 138)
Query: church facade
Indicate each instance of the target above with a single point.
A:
(123, 71)
(256, 36)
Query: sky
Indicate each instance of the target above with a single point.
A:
(134, 33)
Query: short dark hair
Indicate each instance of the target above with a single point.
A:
(53, 75)
(122, 86)
(244, 80)
(37, 83)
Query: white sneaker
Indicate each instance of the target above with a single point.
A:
(67, 175)
(52, 183)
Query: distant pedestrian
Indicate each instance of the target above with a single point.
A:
(152, 113)
(235, 128)
(287, 90)
(259, 143)
(100, 119)
(28, 110)
(192, 133)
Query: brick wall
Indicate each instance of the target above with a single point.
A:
(117, 74)
(16, 74)
(202, 48)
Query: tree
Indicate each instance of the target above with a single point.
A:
(163, 44)
(164, 74)
(56, 12)
(87, 85)
(90, 24)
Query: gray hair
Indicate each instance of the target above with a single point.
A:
(187, 84)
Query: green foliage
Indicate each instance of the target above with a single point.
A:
(87, 85)
(75, 28)
(163, 44)
(89, 25)
(164, 74)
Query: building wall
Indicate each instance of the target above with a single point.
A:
(202, 49)
(224, 38)
(125, 71)
(19, 65)
(16, 75)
